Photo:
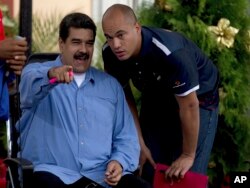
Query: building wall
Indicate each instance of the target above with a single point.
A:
(99, 6)
(93, 8)
(46, 7)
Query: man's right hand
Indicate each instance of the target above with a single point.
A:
(62, 74)
(145, 156)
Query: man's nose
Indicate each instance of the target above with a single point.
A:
(116, 43)
(83, 47)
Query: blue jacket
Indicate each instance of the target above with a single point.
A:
(4, 94)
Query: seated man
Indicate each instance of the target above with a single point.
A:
(75, 121)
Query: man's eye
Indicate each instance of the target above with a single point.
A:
(120, 36)
(76, 42)
(108, 38)
(90, 43)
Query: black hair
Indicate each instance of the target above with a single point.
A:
(75, 20)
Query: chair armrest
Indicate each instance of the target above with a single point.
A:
(19, 172)
(21, 162)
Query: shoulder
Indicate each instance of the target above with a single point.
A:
(107, 55)
(106, 49)
(55, 62)
(39, 66)
(166, 39)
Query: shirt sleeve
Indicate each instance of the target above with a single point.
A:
(126, 149)
(184, 75)
(34, 84)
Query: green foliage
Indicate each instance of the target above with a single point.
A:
(99, 41)
(192, 18)
(3, 140)
(8, 22)
(45, 31)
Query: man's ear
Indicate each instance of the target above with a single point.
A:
(138, 27)
(60, 44)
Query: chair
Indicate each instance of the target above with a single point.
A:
(19, 170)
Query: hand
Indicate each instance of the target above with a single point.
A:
(61, 73)
(113, 173)
(16, 64)
(10, 48)
(178, 168)
(144, 156)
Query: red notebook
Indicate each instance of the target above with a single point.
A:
(190, 180)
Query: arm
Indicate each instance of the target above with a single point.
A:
(35, 85)
(189, 115)
(145, 152)
(125, 143)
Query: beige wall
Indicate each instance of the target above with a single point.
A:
(46, 7)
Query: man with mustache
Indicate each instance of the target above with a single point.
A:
(75, 121)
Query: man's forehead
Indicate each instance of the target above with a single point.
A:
(112, 33)
(81, 36)
(116, 26)
(80, 31)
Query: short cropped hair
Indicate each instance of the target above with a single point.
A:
(75, 20)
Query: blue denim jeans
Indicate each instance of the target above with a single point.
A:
(166, 143)
(208, 127)
(162, 131)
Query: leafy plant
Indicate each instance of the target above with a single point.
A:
(193, 18)
(45, 32)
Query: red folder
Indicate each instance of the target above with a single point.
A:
(190, 180)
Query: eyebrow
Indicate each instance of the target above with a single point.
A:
(76, 39)
(118, 32)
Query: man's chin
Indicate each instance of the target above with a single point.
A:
(79, 71)
(122, 58)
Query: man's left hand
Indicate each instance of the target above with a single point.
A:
(113, 173)
(178, 168)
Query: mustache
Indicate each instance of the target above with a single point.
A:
(81, 56)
